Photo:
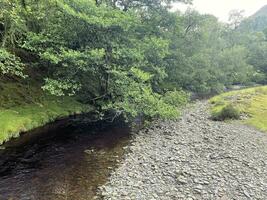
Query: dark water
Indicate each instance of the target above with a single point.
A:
(62, 163)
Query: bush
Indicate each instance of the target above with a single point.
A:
(176, 98)
(228, 112)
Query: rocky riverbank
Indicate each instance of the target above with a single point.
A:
(192, 158)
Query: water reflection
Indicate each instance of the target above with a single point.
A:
(62, 164)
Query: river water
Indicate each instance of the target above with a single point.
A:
(60, 163)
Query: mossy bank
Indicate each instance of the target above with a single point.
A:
(251, 103)
(24, 106)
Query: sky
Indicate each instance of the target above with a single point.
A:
(221, 8)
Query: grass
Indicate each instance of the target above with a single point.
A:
(24, 106)
(251, 102)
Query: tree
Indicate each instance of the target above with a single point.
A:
(128, 56)
(235, 18)
(125, 5)
(99, 51)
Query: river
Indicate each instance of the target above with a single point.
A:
(67, 162)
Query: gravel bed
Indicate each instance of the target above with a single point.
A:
(192, 158)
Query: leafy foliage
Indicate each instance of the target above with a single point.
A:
(133, 57)
(134, 96)
(10, 64)
(13, 24)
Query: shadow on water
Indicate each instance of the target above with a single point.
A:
(66, 162)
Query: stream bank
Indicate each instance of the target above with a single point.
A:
(24, 106)
(192, 158)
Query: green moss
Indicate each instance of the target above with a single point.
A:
(252, 102)
(24, 107)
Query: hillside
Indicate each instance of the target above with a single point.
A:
(256, 22)
(261, 12)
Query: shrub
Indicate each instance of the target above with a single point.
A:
(228, 112)
(176, 98)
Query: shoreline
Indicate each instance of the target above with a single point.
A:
(22, 119)
(192, 158)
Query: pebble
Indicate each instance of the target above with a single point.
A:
(192, 158)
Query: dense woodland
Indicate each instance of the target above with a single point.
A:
(130, 56)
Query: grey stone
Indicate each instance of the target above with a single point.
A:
(192, 158)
